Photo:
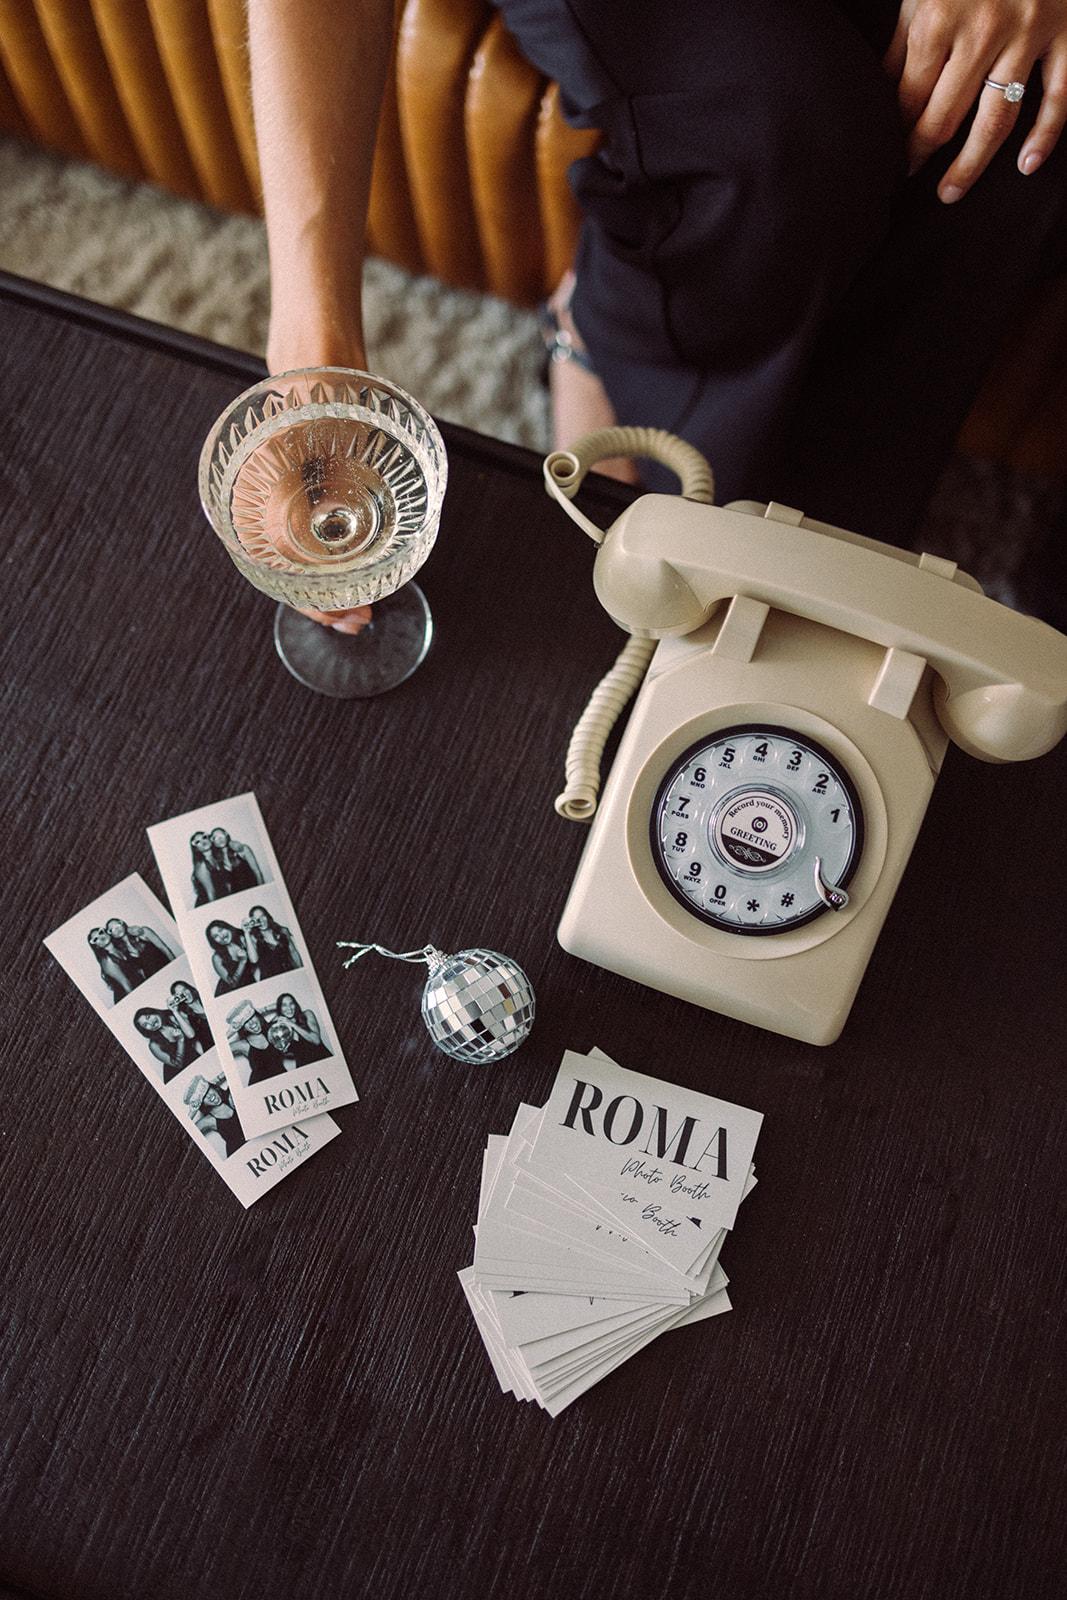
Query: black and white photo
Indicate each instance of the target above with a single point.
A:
(261, 946)
(258, 1057)
(281, 1033)
(221, 865)
(187, 1008)
(272, 949)
(230, 956)
(214, 853)
(171, 1040)
(117, 944)
(212, 1113)
(127, 955)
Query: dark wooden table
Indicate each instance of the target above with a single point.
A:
(292, 1401)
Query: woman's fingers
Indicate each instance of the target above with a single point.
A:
(1052, 117)
(918, 54)
(948, 46)
(943, 53)
(344, 621)
(996, 116)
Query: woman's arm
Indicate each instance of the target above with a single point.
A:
(160, 1054)
(226, 973)
(310, 1032)
(249, 857)
(318, 71)
(252, 949)
(150, 936)
(115, 975)
(182, 1020)
(203, 880)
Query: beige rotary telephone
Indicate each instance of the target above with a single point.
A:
(779, 758)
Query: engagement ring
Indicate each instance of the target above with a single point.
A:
(1011, 91)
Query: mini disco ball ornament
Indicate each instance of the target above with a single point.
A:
(477, 1005)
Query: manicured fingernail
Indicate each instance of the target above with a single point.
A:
(950, 194)
(1030, 161)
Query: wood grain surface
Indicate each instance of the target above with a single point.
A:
(292, 1401)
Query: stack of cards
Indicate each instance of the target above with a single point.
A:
(600, 1222)
(222, 1012)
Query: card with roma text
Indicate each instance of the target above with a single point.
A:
(669, 1165)
(562, 1287)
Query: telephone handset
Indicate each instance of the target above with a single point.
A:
(780, 755)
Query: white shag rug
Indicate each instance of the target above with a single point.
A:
(469, 357)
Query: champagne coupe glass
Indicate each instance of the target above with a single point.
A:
(325, 485)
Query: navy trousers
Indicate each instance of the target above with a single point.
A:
(757, 272)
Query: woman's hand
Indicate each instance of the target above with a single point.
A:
(941, 54)
(344, 621)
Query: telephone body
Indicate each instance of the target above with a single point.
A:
(783, 748)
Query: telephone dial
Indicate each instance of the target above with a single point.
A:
(799, 685)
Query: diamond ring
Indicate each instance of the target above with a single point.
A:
(1011, 91)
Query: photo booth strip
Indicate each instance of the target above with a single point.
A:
(124, 955)
(275, 1036)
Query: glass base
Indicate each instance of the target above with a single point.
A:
(355, 666)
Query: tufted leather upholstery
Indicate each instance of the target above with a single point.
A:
(470, 174)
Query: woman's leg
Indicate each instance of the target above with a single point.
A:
(752, 152)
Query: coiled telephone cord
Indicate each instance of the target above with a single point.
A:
(564, 471)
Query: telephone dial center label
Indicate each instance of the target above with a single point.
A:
(756, 831)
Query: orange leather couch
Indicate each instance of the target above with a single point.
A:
(470, 179)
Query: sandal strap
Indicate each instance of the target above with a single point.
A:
(560, 343)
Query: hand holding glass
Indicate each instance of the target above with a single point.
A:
(325, 485)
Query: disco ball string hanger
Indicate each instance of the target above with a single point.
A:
(427, 953)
